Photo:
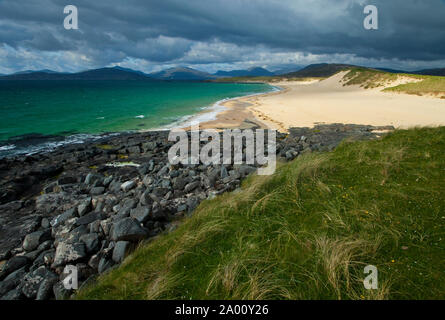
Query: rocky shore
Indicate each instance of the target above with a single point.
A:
(89, 205)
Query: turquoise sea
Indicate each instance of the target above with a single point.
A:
(32, 111)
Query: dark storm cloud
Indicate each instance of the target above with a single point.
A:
(220, 31)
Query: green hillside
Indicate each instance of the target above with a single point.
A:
(308, 231)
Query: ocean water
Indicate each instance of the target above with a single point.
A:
(44, 114)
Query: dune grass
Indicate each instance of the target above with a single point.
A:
(431, 85)
(368, 78)
(308, 231)
(420, 85)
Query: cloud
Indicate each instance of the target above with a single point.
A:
(221, 33)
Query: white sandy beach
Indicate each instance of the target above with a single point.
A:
(305, 104)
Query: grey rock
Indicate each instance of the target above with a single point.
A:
(68, 253)
(146, 199)
(179, 183)
(62, 218)
(45, 291)
(45, 245)
(60, 293)
(89, 218)
(165, 183)
(6, 286)
(147, 181)
(192, 203)
(94, 227)
(45, 223)
(93, 179)
(13, 264)
(33, 240)
(84, 207)
(160, 192)
(4, 253)
(158, 213)
(127, 229)
(104, 265)
(127, 186)
(15, 294)
(92, 242)
(191, 186)
(141, 214)
(121, 250)
(97, 191)
(223, 172)
(149, 146)
(33, 280)
(12, 281)
(107, 181)
(106, 226)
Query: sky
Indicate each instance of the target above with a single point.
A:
(211, 35)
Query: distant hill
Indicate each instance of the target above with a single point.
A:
(96, 74)
(287, 70)
(182, 73)
(431, 72)
(391, 70)
(318, 70)
(251, 72)
(37, 71)
(131, 70)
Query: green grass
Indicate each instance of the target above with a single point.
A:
(421, 85)
(368, 78)
(429, 85)
(308, 231)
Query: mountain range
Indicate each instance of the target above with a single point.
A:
(189, 74)
(182, 73)
(251, 72)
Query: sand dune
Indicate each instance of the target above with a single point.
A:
(328, 101)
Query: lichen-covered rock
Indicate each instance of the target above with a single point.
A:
(68, 253)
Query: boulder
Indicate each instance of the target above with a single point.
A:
(93, 179)
(141, 214)
(191, 186)
(13, 264)
(60, 292)
(92, 242)
(127, 186)
(87, 219)
(84, 207)
(33, 240)
(121, 250)
(104, 265)
(97, 191)
(32, 281)
(62, 218)
(128, 229)
(45, 291)
(68, 253)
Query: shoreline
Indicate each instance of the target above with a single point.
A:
(215, 111)
(328, 101)
(36, 143)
